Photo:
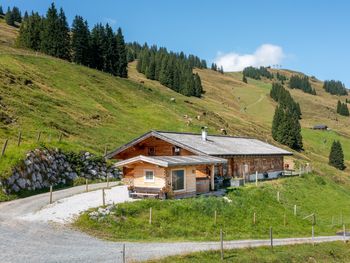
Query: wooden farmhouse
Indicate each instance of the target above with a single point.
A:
(186, 164)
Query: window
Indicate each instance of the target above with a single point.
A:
(178, 180)
(151, 151)
(149, 176)
(176, 150)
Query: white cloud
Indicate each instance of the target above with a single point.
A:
(110, 21)
(265, 55)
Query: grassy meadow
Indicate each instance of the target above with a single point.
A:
(323, 252)
(193, 218)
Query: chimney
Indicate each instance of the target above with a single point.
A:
(204, 133)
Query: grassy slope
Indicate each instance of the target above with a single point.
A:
(324, 252)
(311, 194)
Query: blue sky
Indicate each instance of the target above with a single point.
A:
(308, 36)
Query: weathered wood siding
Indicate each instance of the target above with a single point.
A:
(161, 148)
(255, 163)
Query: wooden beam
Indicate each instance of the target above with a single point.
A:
(212, 173)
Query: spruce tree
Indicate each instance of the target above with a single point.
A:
(63, 44)
(98, 46)
(277, 120)
(336, 156)
(50, 33)
(244, 79)
(29, 33)
(198, 89)
(338, 107)
(80, 41)
(122, 62)
(17, 17)
(25, 17)
(1, 11)
(110, 55)
(9, 18)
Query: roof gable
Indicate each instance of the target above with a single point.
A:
(148, 135)
(219, 145)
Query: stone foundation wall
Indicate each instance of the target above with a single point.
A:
(42, 168)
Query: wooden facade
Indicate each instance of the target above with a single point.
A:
(198, 178)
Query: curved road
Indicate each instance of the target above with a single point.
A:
(34, 241)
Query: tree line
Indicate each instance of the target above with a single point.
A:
(286, 128)
(335, 87)
(101, 48)
(215, 67)
(342, 108)
(257, 73)
(302, 83)
(12, 15)
(283, 97)
(173, 70)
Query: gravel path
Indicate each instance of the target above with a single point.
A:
(29, 241)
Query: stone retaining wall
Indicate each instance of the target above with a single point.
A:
(43, 167)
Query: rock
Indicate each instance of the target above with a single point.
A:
(21, 182)
(15, 188)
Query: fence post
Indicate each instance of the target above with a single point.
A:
(341, 218)
(284, 219)
(344, 234)
(4, 147)
(86, 185)
(313, 235)
(278, 196)
(215, 216)
(254, 218)
(39, 136)
(50, 194)
(150, 215)
(124, 256)
(103, 197)
(271, 238)
(256, 178)
(19, 139)
(221, 244)
(295, 210)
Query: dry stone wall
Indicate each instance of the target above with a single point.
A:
(44, 167)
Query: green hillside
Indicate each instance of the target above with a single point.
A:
(94, 110)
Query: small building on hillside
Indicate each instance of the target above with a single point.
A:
(321, 127)
(186, 163)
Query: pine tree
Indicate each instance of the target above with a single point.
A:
(25, 17)
(122, 62)
(1, 11)
(336, 156)
(198, 89)
(80, 41)
(29, 33)
(63, 41)
(244, 79)
(110, 55)
(98, 46)
(50, 33)
(9, 18)
(17, 17)
(277, 120)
